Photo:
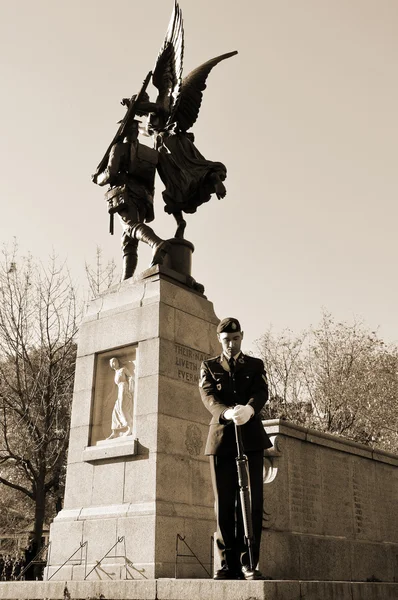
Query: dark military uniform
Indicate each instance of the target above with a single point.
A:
(218, 394)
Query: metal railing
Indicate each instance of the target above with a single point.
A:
(180, 538)
(81, 546)
(98, 564)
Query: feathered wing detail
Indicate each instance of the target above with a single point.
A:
(186, 110)
(167, 75)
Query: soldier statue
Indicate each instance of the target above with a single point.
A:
(129, 166)
(130, 172)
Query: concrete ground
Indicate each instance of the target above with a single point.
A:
(197, 589)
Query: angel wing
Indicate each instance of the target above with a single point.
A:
(186, 110)
(167, 74)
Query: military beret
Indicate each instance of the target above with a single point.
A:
(228, 325)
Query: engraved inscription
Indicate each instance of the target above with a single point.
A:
(187, 363)
(305, 493)
(366, 526)
(336, 494)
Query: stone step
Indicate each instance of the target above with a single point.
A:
(197, 589)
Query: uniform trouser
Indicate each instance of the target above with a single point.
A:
(230, 533)
(131, 216)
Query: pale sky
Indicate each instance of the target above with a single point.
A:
(305, 119)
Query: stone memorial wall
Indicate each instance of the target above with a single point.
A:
(330, 508)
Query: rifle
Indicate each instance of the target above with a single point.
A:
(120, 134)
(242, 466)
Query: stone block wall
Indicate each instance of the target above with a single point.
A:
(330, 508)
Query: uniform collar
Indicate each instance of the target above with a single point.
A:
(239, 361)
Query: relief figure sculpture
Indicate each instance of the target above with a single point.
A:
(122, 414)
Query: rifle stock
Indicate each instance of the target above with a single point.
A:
(242, 466)
(130, 114)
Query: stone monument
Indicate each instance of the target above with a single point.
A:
(137, 480)
(128, 495)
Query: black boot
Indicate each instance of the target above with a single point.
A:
(129, 265)
(160, 248)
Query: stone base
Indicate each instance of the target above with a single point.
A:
(129, 497)
(203, 589)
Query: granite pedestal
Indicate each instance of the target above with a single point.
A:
(127, 498)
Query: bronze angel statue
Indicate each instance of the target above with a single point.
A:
(129, 166)
(189, 178)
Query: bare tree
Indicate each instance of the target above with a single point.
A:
(282, 356)
(101, 276)
(38, 324)
(336, 377)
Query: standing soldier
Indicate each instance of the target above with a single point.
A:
(234, 389)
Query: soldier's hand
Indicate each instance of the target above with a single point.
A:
(228, 415)
(242, 414)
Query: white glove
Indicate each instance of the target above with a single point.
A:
(228, 415)
(240, 414)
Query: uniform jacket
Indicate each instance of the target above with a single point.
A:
(218, 395)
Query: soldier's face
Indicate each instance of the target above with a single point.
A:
(230, 342)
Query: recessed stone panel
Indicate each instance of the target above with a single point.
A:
(114, 393)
